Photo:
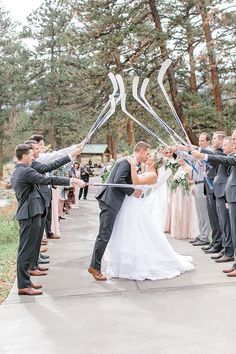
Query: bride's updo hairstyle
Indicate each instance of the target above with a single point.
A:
(158, 160)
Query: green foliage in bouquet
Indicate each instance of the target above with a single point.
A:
(173, 165)
(180, 179)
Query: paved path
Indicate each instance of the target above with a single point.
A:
(194, 313)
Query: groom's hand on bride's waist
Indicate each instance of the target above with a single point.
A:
(137, 193)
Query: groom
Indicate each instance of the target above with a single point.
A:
(110, 201)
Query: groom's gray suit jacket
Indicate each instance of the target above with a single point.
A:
(114, 196)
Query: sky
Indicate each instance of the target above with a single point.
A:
(20, 9)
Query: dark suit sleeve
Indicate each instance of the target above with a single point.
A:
(208, 152)
(48, 167)
(121, 176)
(34, 177)
(225, 160)
(212, 153)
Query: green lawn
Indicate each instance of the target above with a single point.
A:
(8, 249)
(7, 268)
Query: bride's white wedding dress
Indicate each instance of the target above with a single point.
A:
(138, 248)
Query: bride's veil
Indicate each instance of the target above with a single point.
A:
(157, 197)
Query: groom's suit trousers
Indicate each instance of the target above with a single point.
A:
(107, 220)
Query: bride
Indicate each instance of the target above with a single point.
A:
(138, 248)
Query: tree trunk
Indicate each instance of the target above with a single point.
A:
(130, 133)
(165, 55)
(170, 71)
(113, 148)
(192, 76)
(1, 155)
(52, 105)
(111, 142)
(216, 89)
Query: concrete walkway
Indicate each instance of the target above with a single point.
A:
(194, 313)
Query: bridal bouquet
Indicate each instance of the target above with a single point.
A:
(107, 171)
(173, 165)
(180, 179)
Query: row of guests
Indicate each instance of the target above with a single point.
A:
(34, 196)
(68, 197)
(215, 196)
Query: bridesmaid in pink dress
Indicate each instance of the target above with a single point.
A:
(184, 221)
(55, 221)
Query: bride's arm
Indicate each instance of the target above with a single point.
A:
(149, 178)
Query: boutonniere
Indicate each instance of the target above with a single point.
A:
(138, 167)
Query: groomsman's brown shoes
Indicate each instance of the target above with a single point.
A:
(36, 286)
(43, 249)
(224, 259)
(97, 274)
(43, 269)
(37, 272)
(228, 270)
(29, 291)
(44, 242)
(232, 274)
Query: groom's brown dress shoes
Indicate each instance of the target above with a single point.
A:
(29, 291)
(97, 274)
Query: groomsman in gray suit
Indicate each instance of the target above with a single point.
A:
(200, 199)
(35, 269)
(52, 156)
(30, 211)
(216, 243)
(230, 194)
(219, 185)
(48, 158)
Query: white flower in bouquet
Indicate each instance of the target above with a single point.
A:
(172, 164)
(180, 179)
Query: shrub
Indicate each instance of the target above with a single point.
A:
(8, 226)
(8, 230)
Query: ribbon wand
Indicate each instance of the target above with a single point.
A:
(120, 185)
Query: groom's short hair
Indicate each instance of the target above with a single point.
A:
(141, 145)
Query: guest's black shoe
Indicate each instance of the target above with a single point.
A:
(50, 234)
(206, 247)
(44, 256)
(194, 240)
(43, 261)
(200, 243)
(212, 250)
(217, 256)
(224, 259)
